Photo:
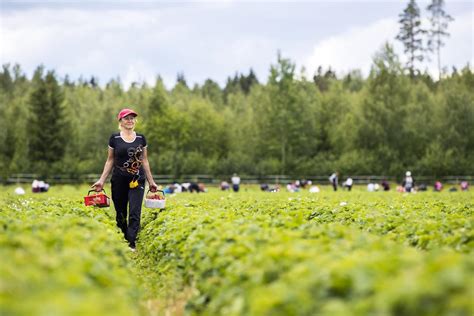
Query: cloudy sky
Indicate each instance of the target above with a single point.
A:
(137, 40)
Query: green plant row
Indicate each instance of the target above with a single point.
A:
(334, 254)
(60, 258)
(425, 221)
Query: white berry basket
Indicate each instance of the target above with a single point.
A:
(155, 199)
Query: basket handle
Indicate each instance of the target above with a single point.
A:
(88, 193)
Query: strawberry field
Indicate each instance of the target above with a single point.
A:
(251, 253)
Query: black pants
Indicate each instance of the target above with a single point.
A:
(123, 196)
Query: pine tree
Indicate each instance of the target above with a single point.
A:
(94, 82)
(323, 81)
(159, 102)
(47, 126)
(246, 82)
(439, 20)
(6, 80)
(411, 35)
(181, 79)
(67, 82)
(213, 92)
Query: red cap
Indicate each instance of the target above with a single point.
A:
(125, 112)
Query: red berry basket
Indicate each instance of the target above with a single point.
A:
(99, 199)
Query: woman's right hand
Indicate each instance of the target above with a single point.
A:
(98, 186)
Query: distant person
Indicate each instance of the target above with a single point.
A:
(169, 189)
(266, 188)
(307, 183)
(438, 186)
(177, 188)
(235, 182)
(193, 187)
(333, 179)
(408, 182)
(464, 186)
(44, 187)
(202, 187)
(39, 186)
(348, 184)
(275, 188)
(422, 187)
(385, 185)
(185, 186)
(35, 186)
(292, 187)
(225, 186)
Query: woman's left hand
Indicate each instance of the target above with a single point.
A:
(153, 186)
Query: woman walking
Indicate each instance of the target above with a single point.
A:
(127, 157)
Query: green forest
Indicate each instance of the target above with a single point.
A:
(383, 124)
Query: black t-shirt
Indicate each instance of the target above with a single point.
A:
(128, 156)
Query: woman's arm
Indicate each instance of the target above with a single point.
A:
(109, 163)
(149, 176)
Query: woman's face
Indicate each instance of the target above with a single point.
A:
(128, 122)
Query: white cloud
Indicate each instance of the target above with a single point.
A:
(139, 71)
(100, 43)
(459, 47)
(352, 49)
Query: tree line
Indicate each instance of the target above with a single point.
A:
(396, 119)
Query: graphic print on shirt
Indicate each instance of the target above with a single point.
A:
(134, 162)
